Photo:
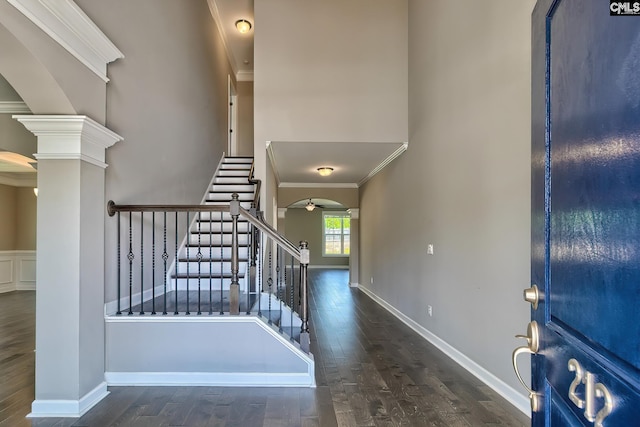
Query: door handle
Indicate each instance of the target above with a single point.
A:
(532, 296)
(532, 347)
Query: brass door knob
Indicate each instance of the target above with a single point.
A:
(532, 296)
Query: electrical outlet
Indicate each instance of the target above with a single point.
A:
(430, 310)
(429, 249)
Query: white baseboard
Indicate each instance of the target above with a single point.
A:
(329, 267)
(212, 379)
(17, 271)
(68, 408)
(503, 389)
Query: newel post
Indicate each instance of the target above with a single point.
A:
(234, 289)
(305, 340)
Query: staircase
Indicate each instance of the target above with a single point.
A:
(206, 252)
(186, 324)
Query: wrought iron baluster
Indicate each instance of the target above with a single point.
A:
(188, 262)
(247, 274)
(210, 262)
(165, 257)
(119, 268)
(292, 284)
(153, 262)
(305, 341)
(186, 250)
(199, 259)
(131, 256)
(221, 263)
(141, 262)
(279, 285)
(270, 279)
(260, 267)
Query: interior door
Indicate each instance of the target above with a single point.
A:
(585, 216)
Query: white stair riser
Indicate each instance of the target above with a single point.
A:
(227, 197)
(237, 166)
(234, 173)
(212, 253)
(206, 268)
(232, 188)
(215, 239)
(246, 205)
(214, 227)
(230, 180)
(215, 216)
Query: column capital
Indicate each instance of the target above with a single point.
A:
(282, 212)
(64, 137)
(354, 212)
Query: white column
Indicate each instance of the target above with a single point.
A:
(282, 214)
(354, 256)
(70, 341)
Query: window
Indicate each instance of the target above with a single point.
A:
(336, 231)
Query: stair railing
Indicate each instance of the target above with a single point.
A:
(143, 290)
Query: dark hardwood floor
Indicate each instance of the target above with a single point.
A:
(371, 370)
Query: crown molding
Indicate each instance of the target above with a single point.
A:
(317, 185)
(384, 163)
(244, 76)
(213, 8)
(68, 25)
(70, 137)
(13, 107)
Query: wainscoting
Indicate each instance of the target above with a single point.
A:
(17, 271)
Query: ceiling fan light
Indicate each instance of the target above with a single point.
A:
(325, 171)
(243, 26)
(310, 206)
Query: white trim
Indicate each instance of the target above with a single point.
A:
(244, 76)
(14, 107)
(354, 285)
(213, 8)
(330, 267)
(70, 156)
(70, 137)
(22, 275)
(384, 163)
(68, 25)
(509, 393)
(274, 166)
(316, 185)
(68, 408)
(211, 379)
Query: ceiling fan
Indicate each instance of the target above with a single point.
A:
(310, 206)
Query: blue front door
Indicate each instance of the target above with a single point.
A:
(585, 214)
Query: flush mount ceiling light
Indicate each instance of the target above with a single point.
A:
(243, 26)
(325, 171)
(310, 206)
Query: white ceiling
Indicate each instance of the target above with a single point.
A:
(239, 46)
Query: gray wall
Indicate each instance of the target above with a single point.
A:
(167, 98)
(327, 72)
(15, 138)
(303, 225)
(463, 185)
(7, 92)
(245, 119)
(17, 218)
